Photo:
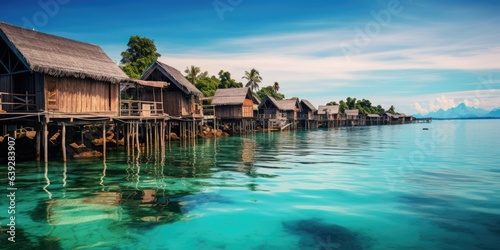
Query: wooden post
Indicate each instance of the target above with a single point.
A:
(162, 136)
(132, 139)
(126, 134)
(45, 143)
(147, 130)
(137, 139)
(104, 141)
(63, 141)
(157, 137)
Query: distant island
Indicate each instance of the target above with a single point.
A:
(462, 111)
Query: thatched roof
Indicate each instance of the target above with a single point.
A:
(289, 104)
(352, 112)
(231, 96)
(373, 115)
(60, 57)
(330, 109)
(272, 101)
(392, 116)
(175, 77)
(306, 103)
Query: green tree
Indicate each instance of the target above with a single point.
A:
(343, 106)
(351, 102)
(380, 110)
(333, 103)
(269, 91)
(139, 55)
(193, 74)
(207, 85)
(276, 87)
(254, 78)
(391, 110)
(227, 82)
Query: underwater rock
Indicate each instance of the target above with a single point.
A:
(315, 234)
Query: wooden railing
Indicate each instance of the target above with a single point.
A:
(272, 116)
(141, 108)
(17, 102)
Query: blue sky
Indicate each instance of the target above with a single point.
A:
(419, 55)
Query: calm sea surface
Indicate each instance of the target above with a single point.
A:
(387, 187)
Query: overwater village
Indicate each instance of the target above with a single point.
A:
(62, 99)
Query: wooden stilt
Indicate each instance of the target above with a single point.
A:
(63, 141)
(162, 136)
(147, 130)
(137, 139)
(126, 135)
(156, 141)
(104, 141)
(132, 138)
(45, 143)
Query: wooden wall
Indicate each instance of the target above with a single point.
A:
(174, 103)
(75, 95)
(235, 111)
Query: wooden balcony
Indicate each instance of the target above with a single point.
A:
(141, 108)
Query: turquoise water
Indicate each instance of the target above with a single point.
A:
(387, 187)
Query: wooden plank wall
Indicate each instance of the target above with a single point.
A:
(84, 95)
(228, 111)
(174, 103)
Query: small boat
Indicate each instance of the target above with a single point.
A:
(425, 129)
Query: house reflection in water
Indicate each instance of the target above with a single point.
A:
(80, 210)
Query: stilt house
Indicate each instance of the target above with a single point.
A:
(180, 98)
(234, 103)
(328, 112)
(65, 78)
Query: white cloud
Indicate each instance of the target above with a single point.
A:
(310, 64)
(420, 109)
(442, 103)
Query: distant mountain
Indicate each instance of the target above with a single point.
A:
(494, 113)
(461, 112)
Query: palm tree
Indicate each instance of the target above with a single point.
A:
(253, 78)
(276, 86)
(193, 74)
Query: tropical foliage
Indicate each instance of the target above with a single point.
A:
(194, 74)
(139, 55)
(227, 82)
(253, 77)
(269, 91)
(276, 87)
(364, 106)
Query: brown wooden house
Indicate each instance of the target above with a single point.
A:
(307, 114)
(307, 110)
(65, 78)
(180, 98)
(290, 108)
(328, 112)
(373, 119)
(391, 118)
(352, 114)
(234, 103)
(142, 98)
(269, 108)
